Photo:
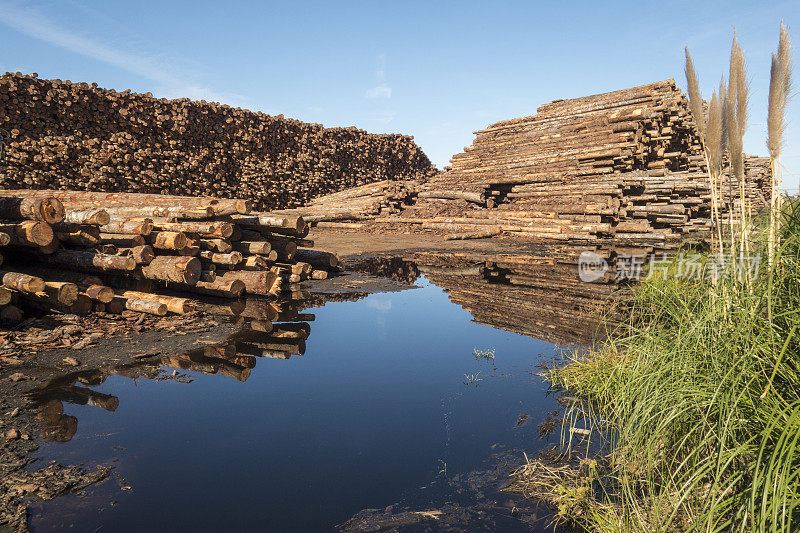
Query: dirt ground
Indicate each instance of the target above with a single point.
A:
(350, 243)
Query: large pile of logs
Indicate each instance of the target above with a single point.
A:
(642, 128)
(86, 251)
(623, 168)
(64, 135)
(359, 203)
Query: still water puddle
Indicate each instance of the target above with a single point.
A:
(378, 402)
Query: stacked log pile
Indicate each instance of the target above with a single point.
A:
(624, 167)
(106, 252)
(64, 135)
(359, 203)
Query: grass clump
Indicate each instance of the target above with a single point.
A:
(701, 391)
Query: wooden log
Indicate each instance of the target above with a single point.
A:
(319, 274)
(151, 211)
(5, 296)
(233, 258)
(123, 241)
(252, 247)
(22, 282)
(256, 282)
(317, 258)
(31, 233)
(173, 268)
(125, 226)
(218, 229)
(254, 262)
(88, 216)
(48, 210)
(132, 200)
(176, 305)
(51, 274)
(168, 240)
(222, 288)
(115, 306)
(284, 249)
(216, 245)
(476, 198)
(63, 292)
(481, 234)
(100, 293)
(268, 221)
(91, 261)
(143, 255)
(77, 235)
(338, 225)
(144, 306)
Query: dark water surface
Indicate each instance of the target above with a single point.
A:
(378, 411)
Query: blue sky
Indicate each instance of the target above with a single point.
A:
(434, 70)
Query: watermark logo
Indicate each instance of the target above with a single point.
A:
(591, 267)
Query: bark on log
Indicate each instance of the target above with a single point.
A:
(173, 268)
(174, 304)
(47, 210)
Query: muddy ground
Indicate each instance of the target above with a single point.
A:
(378, 239)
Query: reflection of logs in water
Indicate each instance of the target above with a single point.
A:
(82, 396)
(539, 295)
(233, 358)
(56, 426)
(237, 356)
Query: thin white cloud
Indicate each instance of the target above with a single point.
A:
(382, 90)
(35, 23)
(386, 117)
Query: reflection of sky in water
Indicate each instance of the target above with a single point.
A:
(366, 417)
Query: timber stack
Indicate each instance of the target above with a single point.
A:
(76, 136)
(622, 170)
(366, 202)
(86, 252)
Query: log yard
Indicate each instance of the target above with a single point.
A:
(579, 314)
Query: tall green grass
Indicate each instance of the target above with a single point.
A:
(702, 390)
